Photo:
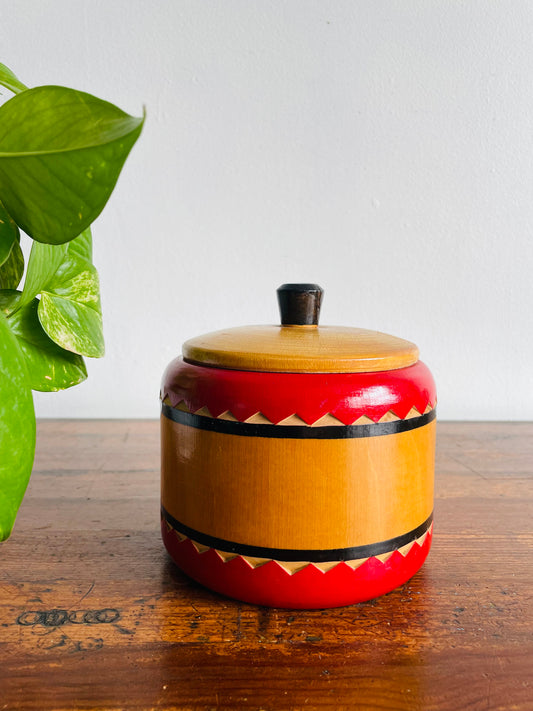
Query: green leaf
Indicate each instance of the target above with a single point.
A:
(50, 368)
(70, 310)
(17, 431)
(10, 81)
(82, 245)
(9, 234)
(61, 152)
(43, 263)
(12, 269)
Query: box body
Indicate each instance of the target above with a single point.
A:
(299, 490)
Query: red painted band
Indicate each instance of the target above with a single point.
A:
(346, 396)
(309, 588)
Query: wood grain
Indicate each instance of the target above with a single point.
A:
(93, 615)
(298, 493)
(301, 349)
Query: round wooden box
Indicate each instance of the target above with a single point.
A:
(298, 460)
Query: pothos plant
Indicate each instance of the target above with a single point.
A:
(61, 152)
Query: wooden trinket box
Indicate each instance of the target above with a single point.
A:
(298, 460)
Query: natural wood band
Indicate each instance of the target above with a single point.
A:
(297, 493)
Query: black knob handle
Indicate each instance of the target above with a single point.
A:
(299, 304)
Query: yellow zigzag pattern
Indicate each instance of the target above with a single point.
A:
(327, 420)
(292, 567)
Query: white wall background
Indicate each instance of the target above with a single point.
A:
(383, 149)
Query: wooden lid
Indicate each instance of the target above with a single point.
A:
(300, 345)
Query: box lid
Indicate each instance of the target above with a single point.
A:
(299, 344)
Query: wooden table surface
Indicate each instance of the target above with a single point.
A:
(93, 614)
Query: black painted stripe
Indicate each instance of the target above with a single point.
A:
(286, 554)
(247, 429)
